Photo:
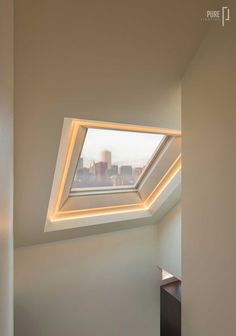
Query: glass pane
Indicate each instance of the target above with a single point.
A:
(113, 159)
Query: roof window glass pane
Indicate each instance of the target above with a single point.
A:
(114, 159)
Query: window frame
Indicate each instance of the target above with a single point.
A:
(125, 188)
(131, 202)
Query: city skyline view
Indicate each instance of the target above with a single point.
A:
(113, 158)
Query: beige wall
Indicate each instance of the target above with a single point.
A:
(101, 285)
(209, 186)
(169, 242)
(95, 60)
(6, 168)
(117, 61)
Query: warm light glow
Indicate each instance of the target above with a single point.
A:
(65, 215)
(74, 130)
(96, 212)
(173, 170)
(93, 212)
(127, 127)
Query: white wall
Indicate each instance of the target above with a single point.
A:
(169, 242)
(117, 61)
(209, 186)
(101, 285)
(6, 168)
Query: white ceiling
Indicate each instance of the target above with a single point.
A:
(105, 60)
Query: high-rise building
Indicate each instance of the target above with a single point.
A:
(100, 170)
(126, 170)
(81, 163)
(106, 157)
(113, 170)
(82, 177)
(116, 180)
(92, 168)
(137, 171)
(126, 174)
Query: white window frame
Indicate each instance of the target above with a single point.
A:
(125, 188)
(160, 178)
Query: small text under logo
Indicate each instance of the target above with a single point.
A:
(221, 15)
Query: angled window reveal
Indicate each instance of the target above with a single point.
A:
(108, 172)
(114, 159)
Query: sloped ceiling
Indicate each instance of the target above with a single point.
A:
(118, 61)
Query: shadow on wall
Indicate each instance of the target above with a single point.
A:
(26, 320)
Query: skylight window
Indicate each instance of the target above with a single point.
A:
(114, 159)
(109, 172)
